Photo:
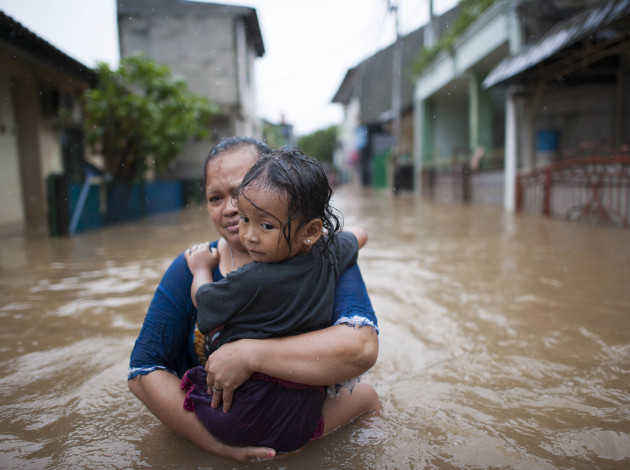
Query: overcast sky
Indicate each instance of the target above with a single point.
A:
(310, 44)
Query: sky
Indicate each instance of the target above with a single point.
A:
(309, 44)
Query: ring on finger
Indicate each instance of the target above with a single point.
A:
(216, 390)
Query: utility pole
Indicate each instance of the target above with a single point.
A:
(430, 33)
(392, 7)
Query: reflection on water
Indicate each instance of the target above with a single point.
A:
(504, 343)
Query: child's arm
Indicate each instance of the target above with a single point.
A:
(201, 261)
(361, 234)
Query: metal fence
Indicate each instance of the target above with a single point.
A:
(594, 189)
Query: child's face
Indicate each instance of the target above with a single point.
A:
(261, 233)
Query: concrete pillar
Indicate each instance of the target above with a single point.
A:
(25, 103)
(12, 207)
(515, 29)
(428, 125)
(479, 114)
(417, 146)
(423, 139)
(511, 149)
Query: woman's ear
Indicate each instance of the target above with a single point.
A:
(311, 232)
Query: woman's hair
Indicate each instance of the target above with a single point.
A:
(228, 145)
(303, 182)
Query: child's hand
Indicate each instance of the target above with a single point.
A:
(358, 232)
(202, 257)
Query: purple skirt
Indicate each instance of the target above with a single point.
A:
(266, 411)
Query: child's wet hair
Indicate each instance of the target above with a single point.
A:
(302, 180)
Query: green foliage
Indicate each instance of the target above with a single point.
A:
(142, 115)
(470, 11)
(272, 135)
(276, 135)
(320, 144)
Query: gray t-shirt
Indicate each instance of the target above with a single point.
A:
(260, 300)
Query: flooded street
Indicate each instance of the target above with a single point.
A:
(505, 343)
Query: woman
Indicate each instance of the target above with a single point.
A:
(164, 349)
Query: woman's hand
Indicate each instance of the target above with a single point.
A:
(201, 258)
(228, 368)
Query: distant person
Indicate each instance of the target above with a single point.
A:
(292, 235)
(169, 343)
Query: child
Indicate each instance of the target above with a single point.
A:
(284, 208)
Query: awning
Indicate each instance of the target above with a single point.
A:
(561, 36)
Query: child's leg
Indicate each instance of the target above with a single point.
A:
(346, 406)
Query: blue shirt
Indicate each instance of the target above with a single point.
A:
(166, 339)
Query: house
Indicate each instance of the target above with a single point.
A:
(567, 150)
(526, 85)
(367, 95)
(40, 117)
(214, 47)
(459, 122)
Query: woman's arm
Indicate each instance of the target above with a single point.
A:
(322, 357)
(162, 350)
(161, 393)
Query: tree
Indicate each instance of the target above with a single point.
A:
(272, 135)
(141, 115)
(320, 144)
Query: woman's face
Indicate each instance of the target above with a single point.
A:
(223, 174)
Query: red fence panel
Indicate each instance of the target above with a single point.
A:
(593, 189)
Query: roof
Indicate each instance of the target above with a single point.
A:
(607, 24)
(175, 7)
(344, 93)
(372, 78)
(19, 37)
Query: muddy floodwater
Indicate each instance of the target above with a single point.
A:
(504, 343)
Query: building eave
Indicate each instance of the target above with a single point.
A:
(344, 93)
(21, 38)
(561, 36)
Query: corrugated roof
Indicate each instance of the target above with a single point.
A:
(559, 37)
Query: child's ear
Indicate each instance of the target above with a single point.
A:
(311, 232)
